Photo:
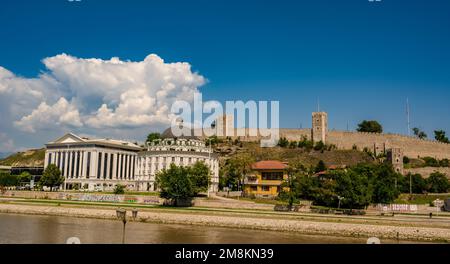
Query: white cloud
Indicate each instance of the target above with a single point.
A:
(6, 143)
(61, 114)
(93, 94)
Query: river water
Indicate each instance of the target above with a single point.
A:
(32, 229)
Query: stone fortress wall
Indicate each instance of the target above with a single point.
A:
(412, 147)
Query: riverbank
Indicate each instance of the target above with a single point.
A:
(380, 229)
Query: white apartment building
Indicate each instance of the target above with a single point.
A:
(181, 151)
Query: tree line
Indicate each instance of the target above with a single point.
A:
(356, 187)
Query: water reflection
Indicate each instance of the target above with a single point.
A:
(19, 229)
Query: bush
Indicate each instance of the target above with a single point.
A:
(119, 189)
(431, 162)
(444, 163)
(305, 143)
(406, 160)
(438, 183)
(7, 180)
(320, 146)
(283, 142)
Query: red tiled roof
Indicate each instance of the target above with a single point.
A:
(269, 165)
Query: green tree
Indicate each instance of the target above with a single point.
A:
(119, 189)
(7, 180)
(213, 140)
(385, 184)
(283, 142)
(419, 133)
(175, 184)
(200, 177)
(354, 188)
(431, 162)
(24, 177)
(406, 160)
(153, 137)
(440, 136)
(51, 177)
(438, 183)
(371, 126)
(418, 183)
(444, 163)
(179, 183)
(235, 169)
(320, 146)
(320, 167)
(305, 143)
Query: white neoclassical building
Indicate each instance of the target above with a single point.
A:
(101, 164)
(181, 151)
(93, 164)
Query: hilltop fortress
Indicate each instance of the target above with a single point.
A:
(394, 144)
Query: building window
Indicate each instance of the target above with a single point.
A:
(126, 167)
(82, 159)
(272, 176)
(77, 171)
(132, 167)
(121, 166)
(105, 166)
(99, 165)
(130, 176)
(64, 164)
(254, 188)
(111, 164)
(88, 165)
(265, 188)
(117, 165)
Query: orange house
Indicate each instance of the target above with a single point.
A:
(265, 179)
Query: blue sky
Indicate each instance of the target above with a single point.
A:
(361, 59)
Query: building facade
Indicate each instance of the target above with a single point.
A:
(183, 150)
(265, 179)
(93, 164)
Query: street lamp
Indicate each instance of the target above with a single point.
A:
(122, 215)
(209, 156)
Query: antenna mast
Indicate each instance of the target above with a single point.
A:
(407, 116)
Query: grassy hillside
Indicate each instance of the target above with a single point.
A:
(29, 158)
(308, 158)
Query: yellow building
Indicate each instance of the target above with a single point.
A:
(265, 179)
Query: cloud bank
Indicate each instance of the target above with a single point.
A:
(92, 95)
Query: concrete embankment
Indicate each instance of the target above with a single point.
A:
(247, 222)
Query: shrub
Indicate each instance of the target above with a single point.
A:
(406, 160)
(438, 183)
(119, 189)
(431, 162)
(283, 142)
(320, 146)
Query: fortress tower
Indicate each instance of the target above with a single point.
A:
(225, 126)
(319, 127)
(395, 157)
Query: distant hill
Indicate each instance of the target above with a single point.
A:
(4, 154)
(29, 158)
